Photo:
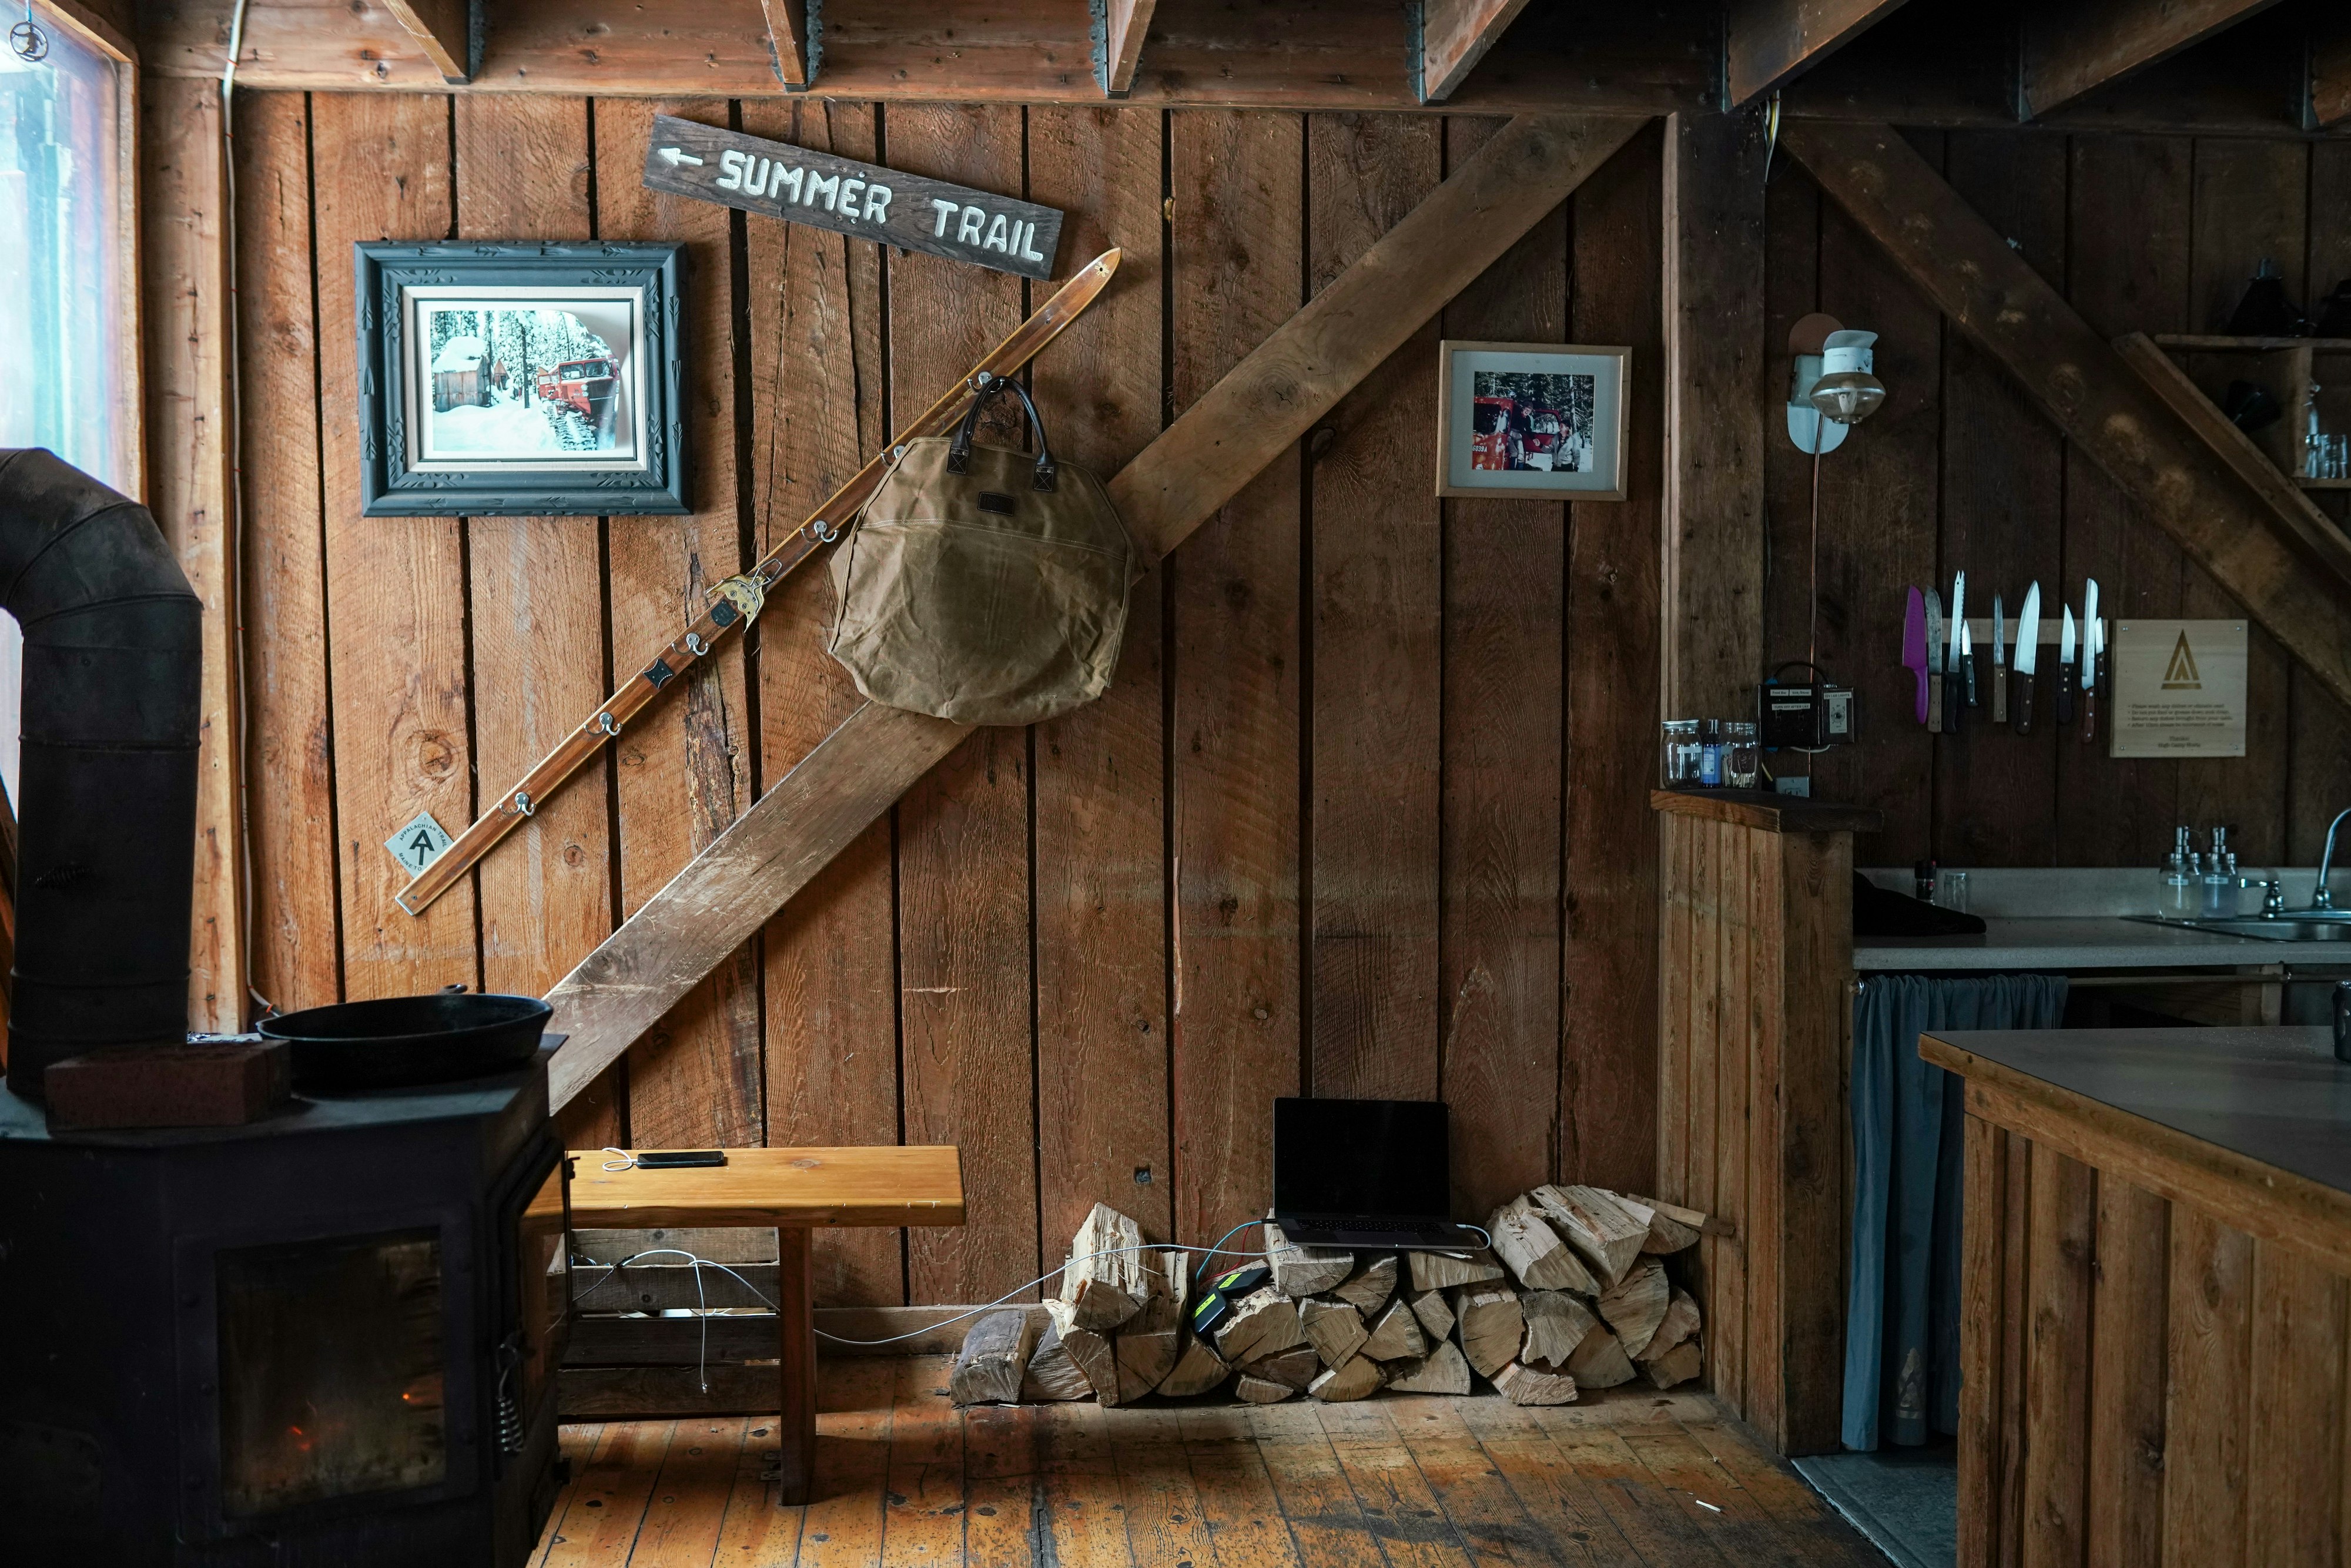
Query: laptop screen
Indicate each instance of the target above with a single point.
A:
(1362, 1157)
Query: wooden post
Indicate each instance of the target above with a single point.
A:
(796, 1364)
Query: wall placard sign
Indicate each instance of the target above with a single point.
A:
(800, 185)
(2178, 688)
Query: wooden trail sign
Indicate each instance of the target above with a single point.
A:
(800, 185)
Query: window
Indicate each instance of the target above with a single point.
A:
(68, 349)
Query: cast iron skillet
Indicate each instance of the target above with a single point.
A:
(401, 1041)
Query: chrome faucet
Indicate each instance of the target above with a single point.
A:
(2320, 898)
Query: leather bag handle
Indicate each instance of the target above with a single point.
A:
(1049, 473)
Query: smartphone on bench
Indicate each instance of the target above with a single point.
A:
(676, 1159)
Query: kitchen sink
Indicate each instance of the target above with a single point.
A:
(2284, 928)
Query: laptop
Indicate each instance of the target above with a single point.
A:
(1366, 1173)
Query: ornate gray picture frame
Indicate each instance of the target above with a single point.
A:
(521, 379)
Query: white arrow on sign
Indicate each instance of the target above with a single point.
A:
(674, 156)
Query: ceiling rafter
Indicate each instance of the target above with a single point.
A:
(795, 40)
(1768, 44)
(2072, 49)
(1454, 37)
(1119, 27)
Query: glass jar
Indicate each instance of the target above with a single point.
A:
(1741, 757)
(1681, 753)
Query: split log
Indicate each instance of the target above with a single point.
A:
(1367, 1289)
(1523, 1385)
(1705, 1224)
(1638, 1305)
(1335, 1329)
(1147, 1346)
(1666, 1234)
(1090, 1349)
(1297, 1366)
(1053, 1374)
(1441, 1370)
(1440, 1271)
(1680, 1323)
(1197, 1370)
(1492, 1326)
(1599, 1362)
(1595, 1226)
(1435, 1312)
(1358, 1378)
(1260, 1324)
(1525, 1240)
(1556, 1324)
(1106, 1279)
(1304, 1270)
(993, 1361)
(1263, 1391)
(1397, 1335)
(1678, 1365)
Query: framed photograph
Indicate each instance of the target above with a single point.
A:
(521, 379)
(1542, 421)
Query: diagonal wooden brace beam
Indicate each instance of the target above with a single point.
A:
(1261, 407)
(1961, 263)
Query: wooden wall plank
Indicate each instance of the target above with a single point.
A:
(1102, 820)
(1503, 580)
(2210, 1398)
(536, 588)
(1674, 1132)
(395, 589)
(1815, 978)
(1236, 263)
(2015, 1329)
(1718, 1255)
(2126, 1371)
(964, 840)
(1608, 1110)
(682, 771)
(1981, 1395)
(1744, 1362)
(2058, 1281)
(2294, 1408)
(2002, 519)
(830, 956)
(1765, 1205)
(296, 960)
(184, 311)
(1376, 598)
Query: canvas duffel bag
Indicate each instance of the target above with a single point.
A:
(981, 584)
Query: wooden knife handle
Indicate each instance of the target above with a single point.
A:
(2024, 703)
(2089, 714)
(1999, 693)
(1934, 704)
(2064, 693)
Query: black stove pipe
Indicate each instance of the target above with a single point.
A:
(107, 813)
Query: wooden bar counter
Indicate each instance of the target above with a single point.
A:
(2157, 1265)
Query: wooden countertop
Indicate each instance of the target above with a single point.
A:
(2252, 1125)
(922, 1185)
(1770, 812)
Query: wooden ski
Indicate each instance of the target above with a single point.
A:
(738, 599)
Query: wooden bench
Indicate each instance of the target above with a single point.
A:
(793, 1190)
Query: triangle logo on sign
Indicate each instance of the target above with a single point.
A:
(2181, 673)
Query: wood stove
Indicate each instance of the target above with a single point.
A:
(326, 1337)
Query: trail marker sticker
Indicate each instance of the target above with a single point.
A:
(418, 844)
(802, 185)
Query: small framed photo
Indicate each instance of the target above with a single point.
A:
(521, 379)
(1542, 421)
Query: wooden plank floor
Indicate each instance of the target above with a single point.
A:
(1409, 1482)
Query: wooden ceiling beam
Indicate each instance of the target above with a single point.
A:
(1967, 269)
(1248, 420)
(795, 40)
(1119, 27)
(443, 29)
(1768, 44)
(2073, 49)
(1454, 37)
(2330, 75)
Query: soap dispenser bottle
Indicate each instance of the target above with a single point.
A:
(2178, 897)
(2219, 897)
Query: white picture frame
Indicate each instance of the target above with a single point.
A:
(1531, 421)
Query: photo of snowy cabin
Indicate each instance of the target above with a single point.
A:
(464, 372)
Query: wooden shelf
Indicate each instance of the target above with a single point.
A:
(2221, 343)
(2324, 484)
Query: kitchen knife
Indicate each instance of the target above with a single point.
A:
(1968, 660)
(1914, 645)
(2066, 668)
(2092, 645)
(2028, 656)
(1934, 661)
(1998, 662)
(1955, 696)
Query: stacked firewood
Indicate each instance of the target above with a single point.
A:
(1575, 1293)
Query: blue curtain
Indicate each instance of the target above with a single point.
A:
(1902, 1309)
